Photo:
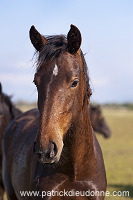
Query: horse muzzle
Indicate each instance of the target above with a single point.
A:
(49, 155)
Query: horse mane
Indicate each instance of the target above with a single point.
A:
(13, 110)
(86, 76)
(7, 100)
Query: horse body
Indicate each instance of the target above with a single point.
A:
(55, 148)
(74, 173)
(7, 113)
(17, 155)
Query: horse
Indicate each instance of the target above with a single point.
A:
(7, 113)
(55, 149)
(98, 121)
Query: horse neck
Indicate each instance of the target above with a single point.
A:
(82, 147)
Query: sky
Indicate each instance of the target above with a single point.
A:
(107, 42)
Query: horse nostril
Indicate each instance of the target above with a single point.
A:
(52, 151)
(39, 155)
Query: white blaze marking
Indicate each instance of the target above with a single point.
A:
(55, 71)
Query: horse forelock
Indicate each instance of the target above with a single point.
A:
(54, 46)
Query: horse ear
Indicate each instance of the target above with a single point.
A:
(37, 39)
(73, 39)
(0, 88)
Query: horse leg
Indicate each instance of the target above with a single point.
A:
(7, 184)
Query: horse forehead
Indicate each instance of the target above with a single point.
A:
(64, 66)
(67, 64)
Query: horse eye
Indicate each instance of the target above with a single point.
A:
(1, 113)
(74, 83)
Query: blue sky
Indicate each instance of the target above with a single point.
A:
(107, 40)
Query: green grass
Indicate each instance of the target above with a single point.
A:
(118, 152)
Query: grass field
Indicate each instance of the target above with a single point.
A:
(118, 151)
